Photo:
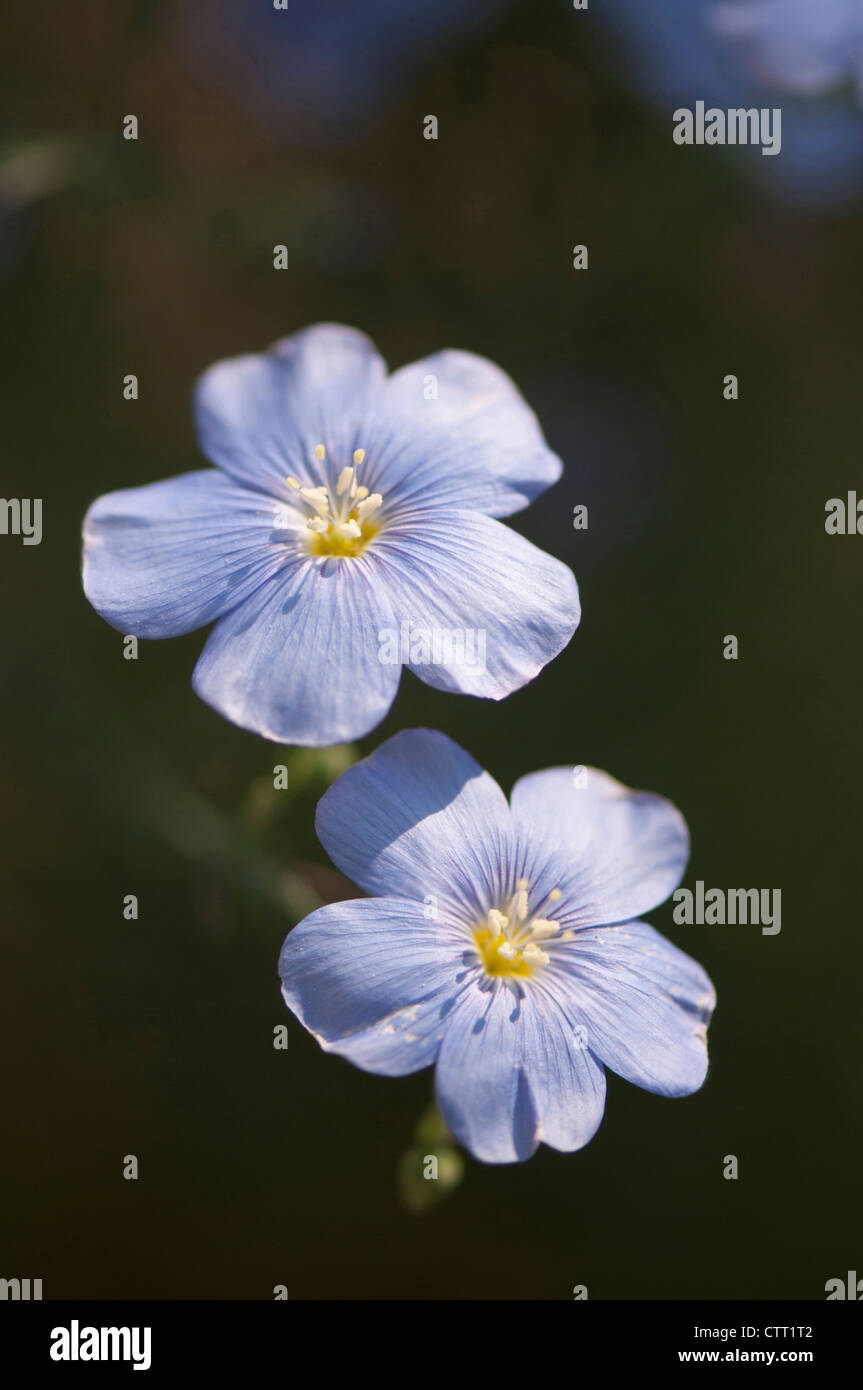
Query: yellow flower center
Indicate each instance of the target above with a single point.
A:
(342, 517)
(508, 940)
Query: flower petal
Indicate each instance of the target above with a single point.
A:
(615, 853)
(481, 1080)
(421, 819)
(298, 663)
(566, 1081)
(646, 1004)
(498, 607)
(165, 559)
(374, 981)
(474, 444)
(513, 1070)
(260, 416)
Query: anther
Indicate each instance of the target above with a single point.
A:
(497, 921)
(318, 497)
(369, 505)
(542, 928)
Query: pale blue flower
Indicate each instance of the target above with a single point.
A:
(348, 506)
(757, 53)
(501, 943)
(806, 46)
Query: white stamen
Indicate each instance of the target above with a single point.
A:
(541, 928)
(318, 497)
(369, 505)
(340, 509)
(515, 933)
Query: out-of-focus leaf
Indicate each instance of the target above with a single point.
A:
(432, 1168)
(426, 1179)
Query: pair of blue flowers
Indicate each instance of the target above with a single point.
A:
(501, 941)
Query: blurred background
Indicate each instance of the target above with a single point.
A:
(706, 518)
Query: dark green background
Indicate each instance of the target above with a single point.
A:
(706, 518)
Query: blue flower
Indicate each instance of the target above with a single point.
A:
(731, 54)
(806, 47)
(500, 943)
(349, 529)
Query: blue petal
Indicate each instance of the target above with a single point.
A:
(260, 417)
(298, 663)
(613, 852)
(802, 46)
(374, 980)
(420, 819)
(471, 580)
(566, 1081)
(481, 1081)
(513, 1070)
(475, 445)
(645, 1004)
(168, 558)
